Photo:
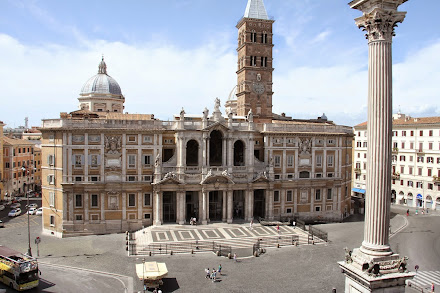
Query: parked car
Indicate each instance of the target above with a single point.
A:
(15, 205)
(33, 205)
(2, 225)
(18, 199)
(2, 207)
(32, 211)
(39, 212)
(15, 212)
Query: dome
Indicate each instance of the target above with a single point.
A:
(101, 83)
(233, 94)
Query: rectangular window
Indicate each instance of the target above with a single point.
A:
(431, 133)
(402, 158)
(78, 217)
(421, 132)
(404, 133)
(277, 161)
(289, 196)
(131, 178)
(146, 160)
(317, 208)
(131, 161)
(289, 161)
(94, 201)
(50, 179)
(430, 186)
(147, 199)
(51, 160)
(52, 198)
(289, 210)
(318, 160)
(412, 132)
(276, 196)
(264, 38)
(52, 221)
(132, 138)
(330, 159)
(410, 170)
(430, 146)
(329, 194)
(401, 182)
(148, 139)
(429, 172)
(420, 146)
(403, 145)
(131, 200)
(402, 169)
(429, 160)
(410, 183)
(420, 159)
(78, 200)
(420, 171)
(147, 216)
(318, 194)
(78, 161)
(411, 145)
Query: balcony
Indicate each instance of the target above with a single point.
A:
(436, 179)
(395, 175)
(420, 152)
(357, 170)
(395, 150)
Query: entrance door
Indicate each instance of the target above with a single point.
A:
(259, 204)
(169, 207)
(215, 205)
(192, 205)
(238, 205)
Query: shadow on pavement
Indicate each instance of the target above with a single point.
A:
(42, 286)
(355, 218)
(170, 285)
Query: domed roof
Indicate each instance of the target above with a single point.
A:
(101, 83)
(233, 94)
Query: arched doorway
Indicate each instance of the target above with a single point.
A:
(238, 153)
(428, 202)
(259, 204)
(401, 197)
(238, 204)
(215, 148)
(393, 196)
(409, 200)
(192, 153)
(437, 204)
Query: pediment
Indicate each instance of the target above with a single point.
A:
(169, 178)
(217, 125)
(261, 177)
(224, 177)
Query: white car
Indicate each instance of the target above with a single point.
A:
(15, 205)
(2, 207)
(32, 211)
(14, 213)
(33, 205)
(2, 225)
(39, 212)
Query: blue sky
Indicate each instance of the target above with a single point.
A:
(170, 54)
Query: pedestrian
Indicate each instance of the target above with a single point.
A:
(155, 290)
(251, 224)
(407, 212)
(432, 288)
(214, 275)
(159, 291)
(220, 269)
(294, 224)
(278, 230)
(235, 257)
(416, 268)
(207, 273)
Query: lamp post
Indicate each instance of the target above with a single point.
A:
(143, 274)
(29, 252)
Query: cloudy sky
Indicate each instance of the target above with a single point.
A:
(169, 54)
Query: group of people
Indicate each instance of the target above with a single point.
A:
(193, 221)
(212, 275)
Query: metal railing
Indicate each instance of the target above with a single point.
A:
(182, 247)
(313, 231)
(275, 241)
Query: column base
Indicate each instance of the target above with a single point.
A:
(204, 222)
(182, 222)
(229, 221)
(365, 273)
(157, 223)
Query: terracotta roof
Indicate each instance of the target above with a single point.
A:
(16, 141)
(410, 121)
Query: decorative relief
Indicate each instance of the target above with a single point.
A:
(379, 24)
(78, 138)
(113, 144)
(94, 138)
(305, 146)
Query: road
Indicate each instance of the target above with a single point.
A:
(294, 269)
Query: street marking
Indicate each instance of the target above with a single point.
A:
(424, 279)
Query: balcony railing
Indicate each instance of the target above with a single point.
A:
(395, 150)
(420, 151)
(436, 179)
(357, 170)
(396, 175)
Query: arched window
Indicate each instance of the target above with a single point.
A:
(192, 153)
(238, 153)
(215, 148)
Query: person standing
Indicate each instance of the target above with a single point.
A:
(432, 288)
(235, 257)
(220, 269)
(251, 224)
(278, 230)
(407, 212)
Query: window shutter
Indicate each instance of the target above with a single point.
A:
(99, 159)
(82, 159)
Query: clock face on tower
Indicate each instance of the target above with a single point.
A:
(258, 87)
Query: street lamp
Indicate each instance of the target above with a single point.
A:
(29, 230)
(143, 273)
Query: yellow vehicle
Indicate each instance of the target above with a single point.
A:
(17, 270)
(151, 273)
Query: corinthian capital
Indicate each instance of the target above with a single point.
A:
(379, 24)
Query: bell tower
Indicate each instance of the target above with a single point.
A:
(254, 73)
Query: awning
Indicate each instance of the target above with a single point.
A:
(358, 190)
(419, 196)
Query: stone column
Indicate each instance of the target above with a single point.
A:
(181, 198)
(157, 208)
(373, 267)
(250, 203)
(224, 206)
(204, 206)
(230, 206)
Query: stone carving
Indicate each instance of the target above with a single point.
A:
(305, 146)
(217, 105)
(209, 173)
(226, 173)
(113, 144)
(170, 175)
(250, 116)
(157, 161)
(379, 24)
(348, 258)
(205, 114)
(258, 77)
(182, 114)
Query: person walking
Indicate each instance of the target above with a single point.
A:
(251, 224)
(278, 230)
(214, 276)
(235, 257)
(407, 212)
(207, 273)
(219, 269)
(432, 288)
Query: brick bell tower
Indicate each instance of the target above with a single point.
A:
(254, 74)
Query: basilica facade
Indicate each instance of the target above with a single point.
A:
(105, 171)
